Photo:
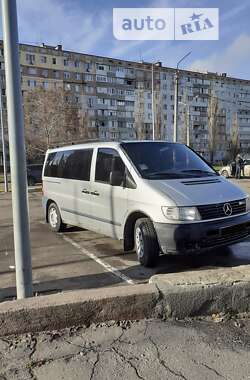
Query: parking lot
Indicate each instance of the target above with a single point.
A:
(80, 259)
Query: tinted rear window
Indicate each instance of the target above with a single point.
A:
(70, 164)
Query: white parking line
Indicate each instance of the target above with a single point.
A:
(92, 256)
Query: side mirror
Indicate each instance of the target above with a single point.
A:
(116, 178)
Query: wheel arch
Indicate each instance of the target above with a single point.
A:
(128, 231)
(48, 203)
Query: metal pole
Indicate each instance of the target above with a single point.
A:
(17, 151)
(5, 169)
(176, 96)
(188, 127)
(153, 105)
(176, 93)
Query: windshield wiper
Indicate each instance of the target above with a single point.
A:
(198, 171)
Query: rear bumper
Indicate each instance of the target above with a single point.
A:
(189, 238)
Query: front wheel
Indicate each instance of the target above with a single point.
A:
(54, 218)
(146, 243)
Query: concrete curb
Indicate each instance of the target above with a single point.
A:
(181, 302)
(158, 299)
(81, 307)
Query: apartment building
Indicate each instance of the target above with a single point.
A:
(115, 96)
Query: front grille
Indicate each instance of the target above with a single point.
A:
(226, 235)
(215, 211)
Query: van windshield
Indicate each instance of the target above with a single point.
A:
(163, 160)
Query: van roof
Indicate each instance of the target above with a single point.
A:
(91, 144)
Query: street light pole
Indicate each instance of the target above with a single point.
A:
(176, 97)
(188, 127)
(153, 102)
(17, 151)
(5, 169)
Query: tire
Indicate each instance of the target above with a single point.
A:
(146, 243)
(54, 218)
(225, 174)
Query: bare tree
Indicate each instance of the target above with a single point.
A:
(158, 117)
(139, 114)
(185, 126)
(234, 141)
(49, 119)
(213, 126)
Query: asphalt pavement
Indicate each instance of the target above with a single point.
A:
(153, 349)
(80, 259)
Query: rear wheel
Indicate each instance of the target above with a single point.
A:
(54, 218)
(146, 244)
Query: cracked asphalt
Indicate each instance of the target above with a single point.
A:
(153, 349)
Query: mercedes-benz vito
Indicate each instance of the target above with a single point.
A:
(156, 196)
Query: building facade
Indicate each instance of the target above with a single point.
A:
(115, 97)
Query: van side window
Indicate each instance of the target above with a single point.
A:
(78, 164)
(69, 164)
(51, 166)
(107, 160)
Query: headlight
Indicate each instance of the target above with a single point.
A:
(181, 213)
(247, 204)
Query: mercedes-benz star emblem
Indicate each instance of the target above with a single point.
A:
(227, 208)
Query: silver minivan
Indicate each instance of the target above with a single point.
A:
(156, 196)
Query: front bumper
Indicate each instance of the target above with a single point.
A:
(193, 237)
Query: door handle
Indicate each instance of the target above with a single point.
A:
(85, 191)
(95, 193)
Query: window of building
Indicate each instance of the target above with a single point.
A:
(78, 76)
(89, 77)
(30, 58)
(45, 73)
(77, 63)
(100, 67)
(54, 61)
(67, 86)
(43, 59)
(77, 88)
(89, 89)
(88, 66)
(66, 62)
(101, 78)
(77, 99)
(120, 102)
(45, 85)
(31, 83)
(32, 71)
(66, 75)
(107, 160)
(56, 74)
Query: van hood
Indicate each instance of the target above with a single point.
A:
(199, 191)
